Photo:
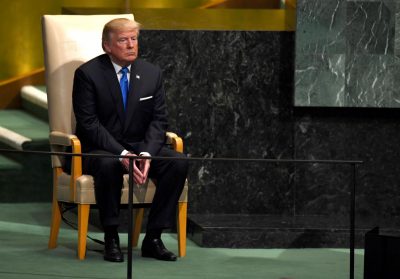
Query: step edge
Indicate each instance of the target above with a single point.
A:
(12, 138)
(34, 96)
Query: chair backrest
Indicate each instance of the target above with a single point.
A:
(68, 41)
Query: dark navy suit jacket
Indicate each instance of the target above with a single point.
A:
(102, 122)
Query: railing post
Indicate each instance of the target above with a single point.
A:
(352, 218)
(130, 218)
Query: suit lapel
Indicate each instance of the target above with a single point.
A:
(135, 85)
(114, 87)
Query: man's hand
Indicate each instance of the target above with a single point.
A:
(140, 168)
(144, 166)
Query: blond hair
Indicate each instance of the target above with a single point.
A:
(117, 25)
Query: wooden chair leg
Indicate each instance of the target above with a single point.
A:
(137, 226)
(55, 224)
(83, 222)
(55, 212)
(182, 219)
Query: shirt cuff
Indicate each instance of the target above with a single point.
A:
(124, 152)
(147, 154)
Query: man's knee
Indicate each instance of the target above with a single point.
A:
(109, 165)
(181, 166)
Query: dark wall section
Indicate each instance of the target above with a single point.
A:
(230, 94)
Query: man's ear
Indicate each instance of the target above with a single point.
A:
(106, 47)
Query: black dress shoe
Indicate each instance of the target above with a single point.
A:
(112, 252)
(154, 248)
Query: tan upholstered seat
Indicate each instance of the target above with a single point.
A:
(69, 41)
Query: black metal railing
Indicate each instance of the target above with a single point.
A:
(353, 182)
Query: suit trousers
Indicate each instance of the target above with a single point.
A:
(170, 176)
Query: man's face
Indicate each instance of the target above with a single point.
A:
(122, 46)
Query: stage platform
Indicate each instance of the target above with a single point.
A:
(272, 231)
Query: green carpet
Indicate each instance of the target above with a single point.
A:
(24, 254)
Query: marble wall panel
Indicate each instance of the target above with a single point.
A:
(325, 190)
(396, 81)
(397, 27)
(224, 93)
(320, 27)
(370, 81)
(320, 73)
(322, 189)
(370, 27)
(367, 32)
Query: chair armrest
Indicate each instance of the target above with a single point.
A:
(60, 138)
(175, 141)
(63, 139)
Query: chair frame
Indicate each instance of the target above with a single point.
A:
(60, 139)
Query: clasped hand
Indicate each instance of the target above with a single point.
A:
(140, 168)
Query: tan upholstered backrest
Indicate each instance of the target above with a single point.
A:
(68, 41)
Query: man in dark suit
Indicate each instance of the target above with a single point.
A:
(119, 105)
